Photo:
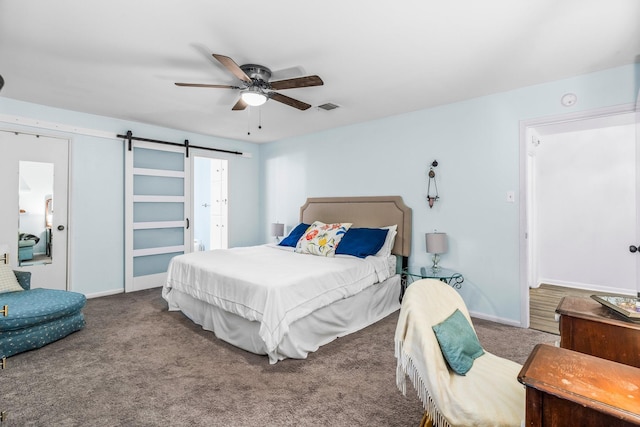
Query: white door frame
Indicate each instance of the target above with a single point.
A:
(193, 153)
(525, 127)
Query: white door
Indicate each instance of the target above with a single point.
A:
(637, 120)
(34, 172)
(156, 203)
(210, 201)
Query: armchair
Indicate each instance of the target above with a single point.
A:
(488, 394)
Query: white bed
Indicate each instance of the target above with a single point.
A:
(270, 300)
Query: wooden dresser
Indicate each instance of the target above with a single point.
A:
(588, 327)
(567, 388)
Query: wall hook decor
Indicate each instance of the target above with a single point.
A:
(432, 177)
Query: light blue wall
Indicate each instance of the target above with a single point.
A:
(96, 223)
(476, 143)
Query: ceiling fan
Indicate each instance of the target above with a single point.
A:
(256, 88)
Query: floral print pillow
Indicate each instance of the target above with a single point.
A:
(322, 239)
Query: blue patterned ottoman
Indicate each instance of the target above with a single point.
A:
(38, 317)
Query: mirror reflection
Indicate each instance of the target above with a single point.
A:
(36, 213)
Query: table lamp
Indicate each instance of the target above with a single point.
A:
(277, 229)
(436, 244)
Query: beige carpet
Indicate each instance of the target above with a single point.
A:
(136, 364)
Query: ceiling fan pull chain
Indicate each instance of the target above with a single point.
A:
(248, 121)
(259, 118)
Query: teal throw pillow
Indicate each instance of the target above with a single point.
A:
(458, 342)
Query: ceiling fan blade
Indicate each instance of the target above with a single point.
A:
(240, 105)
(289, 101)
(207, 85)
(297, 82)
(231, 65)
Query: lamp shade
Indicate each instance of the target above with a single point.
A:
(253, 97)
(277, 229)
(437, 243)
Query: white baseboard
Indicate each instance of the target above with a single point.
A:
(105, 293)
(496, 319)
(590, 287)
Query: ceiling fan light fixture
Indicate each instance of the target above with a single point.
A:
(257, 88)
(253, 97)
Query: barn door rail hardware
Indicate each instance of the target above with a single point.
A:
(129, 137)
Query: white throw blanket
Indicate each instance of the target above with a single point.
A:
(270, 285)
(488, 395)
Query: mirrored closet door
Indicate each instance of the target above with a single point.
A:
(34, 179)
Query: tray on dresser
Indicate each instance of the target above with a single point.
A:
(629, 307)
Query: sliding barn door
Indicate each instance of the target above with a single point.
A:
(157, 204)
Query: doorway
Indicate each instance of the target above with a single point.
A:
(210, 202)
(580, 205)
(34, 172)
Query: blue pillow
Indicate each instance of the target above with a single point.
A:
(458, 342)
(294, 235)
(362, 242)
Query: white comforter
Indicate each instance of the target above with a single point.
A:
(270, 284)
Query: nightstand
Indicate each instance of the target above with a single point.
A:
(446, 275)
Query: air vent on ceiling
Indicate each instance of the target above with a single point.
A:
(328, 106)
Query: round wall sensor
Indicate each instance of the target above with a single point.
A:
(569, 99)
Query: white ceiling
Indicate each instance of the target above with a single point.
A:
(120, 58)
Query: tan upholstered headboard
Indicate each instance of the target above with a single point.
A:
(378, 211)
